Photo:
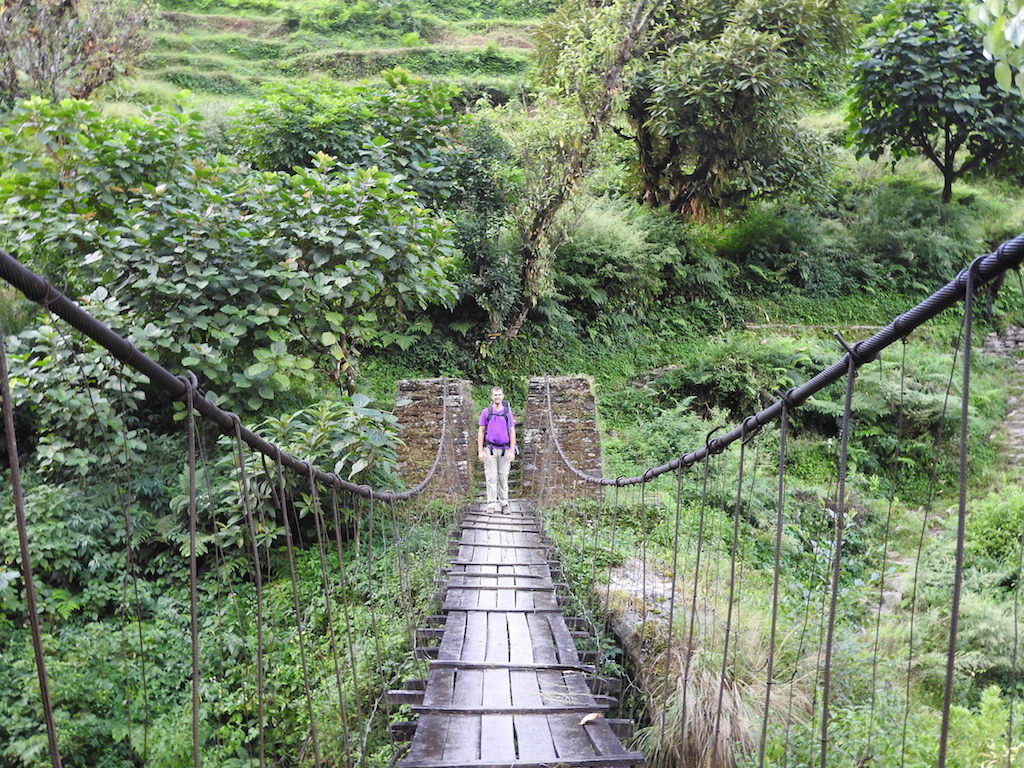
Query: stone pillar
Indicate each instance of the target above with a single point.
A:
(420, 417)
(575, 419)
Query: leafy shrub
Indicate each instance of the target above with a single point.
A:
(223, 83)
(295, 270)
(350, 64)
(623, 258)
(403, 125)
(890, 231)
(996, 524)
(69, 424)
(372, 19)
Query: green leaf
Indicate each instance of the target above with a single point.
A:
(1004, 76)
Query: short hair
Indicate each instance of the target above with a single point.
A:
(496, 388)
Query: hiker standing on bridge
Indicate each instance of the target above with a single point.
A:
(496, 448)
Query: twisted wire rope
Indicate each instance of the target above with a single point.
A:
(41, 291)
(983, 269)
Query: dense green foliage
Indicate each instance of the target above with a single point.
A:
(923, 86)
(293, 238)
(284, 272)
(711, 104)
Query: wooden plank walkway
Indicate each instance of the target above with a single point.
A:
(507, 686)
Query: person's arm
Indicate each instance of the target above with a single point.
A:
(480, 443)
(512, 440)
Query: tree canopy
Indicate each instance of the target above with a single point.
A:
(923, 86)
(68, 48)
(259, 278)
(710, 95)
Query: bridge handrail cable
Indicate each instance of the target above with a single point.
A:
(1009, 255)
(41, 291)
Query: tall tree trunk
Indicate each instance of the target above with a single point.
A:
(537, 231)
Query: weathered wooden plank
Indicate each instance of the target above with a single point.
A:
(567, 733)
(534, 739)
(463, 739)
(428, 743)
(630, 758)
(563, 640)
(454, 636)
(440, 687)
(542, 709)
(474, 647)
(541, 638)
(464, 664)
(497, 734)
(497, 637)
(519, 644)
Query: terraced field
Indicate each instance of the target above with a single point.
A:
(226, 52)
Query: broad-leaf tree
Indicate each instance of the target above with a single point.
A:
(256, 279)
(68, 48)
(923, 86)
(711, 98)
(1002, 23)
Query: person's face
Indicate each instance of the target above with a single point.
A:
(497, 397)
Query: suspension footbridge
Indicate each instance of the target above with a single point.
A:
(505, 683)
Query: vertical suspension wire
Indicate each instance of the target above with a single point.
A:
(672, 600)
(714, 584)
(645, 534)
(1016, 626)
(318, 522)
(743, 550)
(343, 581)
(1016, 650)
(776, 577)
(894, 481)
(837, 557)
(716, 733)
(26, 556)
(688, 650)
(611, 557)
(193, 562)
(123, 488)
(961, 524)
(282, 497)
(131, 570)
(243, 486)
(932, 482)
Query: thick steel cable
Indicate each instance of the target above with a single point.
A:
(243, 481)
(961, 525)
(193, 565)
(26, 556)
(1008, 255)
(42, 292)
(297, 607)
(837, 558)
